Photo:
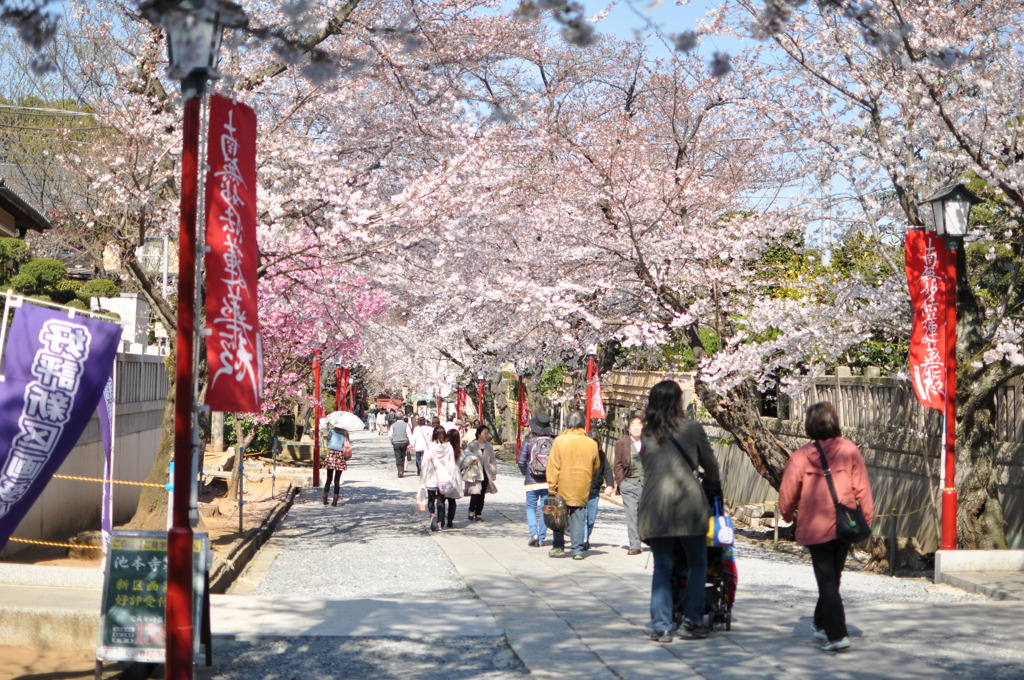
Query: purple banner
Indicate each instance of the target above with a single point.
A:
(55, 369)
(105, 414)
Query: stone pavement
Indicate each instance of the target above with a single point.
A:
(572, 619)
(569, 619)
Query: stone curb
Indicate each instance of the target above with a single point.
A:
(233, 563)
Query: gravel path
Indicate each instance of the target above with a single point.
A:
(375, 545)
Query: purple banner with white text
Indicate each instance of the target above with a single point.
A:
(54, 372)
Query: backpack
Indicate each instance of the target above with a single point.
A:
(538, 462)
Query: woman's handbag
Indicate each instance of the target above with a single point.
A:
(555, 512)
(851, 525)
(346, 453)
(421, 499)
(720, 527)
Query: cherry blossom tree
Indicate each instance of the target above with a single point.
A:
(889, 125)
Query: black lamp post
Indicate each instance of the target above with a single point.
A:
(951, 208)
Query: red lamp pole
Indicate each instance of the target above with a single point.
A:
(316, 419)
(179, 652)
(949, 497)
(480, 402)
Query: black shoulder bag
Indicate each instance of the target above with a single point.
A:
(851, 526)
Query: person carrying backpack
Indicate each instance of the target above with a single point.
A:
(532, 460)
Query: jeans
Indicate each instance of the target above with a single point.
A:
(663, 550)
(534, 502)
(337, 480)
(400, 455)
(577, 528)
(631, 500)
(419, 463)
(828, 560)
(592, 504)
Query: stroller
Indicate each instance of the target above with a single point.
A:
(719, 589)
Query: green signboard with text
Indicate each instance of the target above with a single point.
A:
(132, 624)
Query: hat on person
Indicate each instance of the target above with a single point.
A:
(541, 424)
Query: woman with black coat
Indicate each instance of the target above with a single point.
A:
(673, 511)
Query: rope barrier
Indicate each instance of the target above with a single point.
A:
(55, 544)
(112, 481)
(908, 514)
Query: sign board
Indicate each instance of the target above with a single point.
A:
(132, 619)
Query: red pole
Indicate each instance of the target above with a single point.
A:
(439, 402)
(316, 419)
(591, 369)
(337, 388)
(949, 497)
(480, 403)
(520, 396)
(179, 652)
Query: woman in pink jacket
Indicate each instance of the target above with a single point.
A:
(804, 486)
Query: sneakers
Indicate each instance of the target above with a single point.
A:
(836, 645)
(579, 557)
(819, 634)
(433, 524)
(534, 542)
(634, 551)
(479, 518)
(694, 631)
(661, 636)
(556, 552)
(586, 545)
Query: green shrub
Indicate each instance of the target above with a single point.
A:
(39, 275)
(99, 288)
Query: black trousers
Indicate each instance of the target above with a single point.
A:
(828, 560)
(435, 499)
(337, 480)
(400, 455)
(476, 500)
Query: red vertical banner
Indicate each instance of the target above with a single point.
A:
(345, 376)
(338, 394)
(460, 402)
(233, 347)
(931, 276)
(524, 410)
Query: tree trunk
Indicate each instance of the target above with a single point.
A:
(980, 522)
(151, 511)
(736, 411)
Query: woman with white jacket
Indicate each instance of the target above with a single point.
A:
(479, 469)
(441, 478)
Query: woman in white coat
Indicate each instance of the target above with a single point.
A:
(479, 470)
(441, 478)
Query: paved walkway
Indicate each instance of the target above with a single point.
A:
(570, 619)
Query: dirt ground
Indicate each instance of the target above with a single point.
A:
(23, 663)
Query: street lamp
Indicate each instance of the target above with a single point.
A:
(193, 45)
(951, 209)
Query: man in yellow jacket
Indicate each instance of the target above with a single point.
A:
(571, 467)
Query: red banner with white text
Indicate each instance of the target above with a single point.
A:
(931, 275)
(595, 409)
(524, 410)
(233, 346)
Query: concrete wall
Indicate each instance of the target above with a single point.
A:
(67, 506)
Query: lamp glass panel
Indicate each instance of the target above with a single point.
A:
(955, 217)
(937, 217)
